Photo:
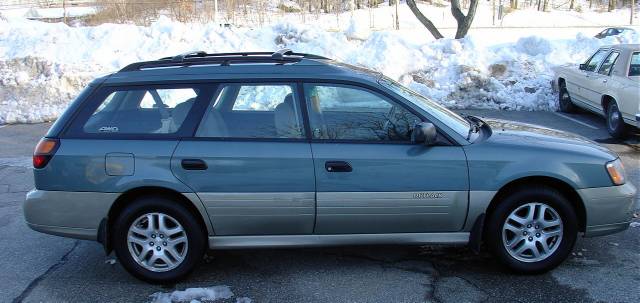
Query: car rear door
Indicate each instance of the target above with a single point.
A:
(369, 177)
(250, 163)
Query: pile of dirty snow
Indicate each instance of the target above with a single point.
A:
(43, 65)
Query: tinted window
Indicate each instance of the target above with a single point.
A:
(608, 63)
(142, 111)
(253, 111)
(634, 67)
(339, 112)
(593, 63)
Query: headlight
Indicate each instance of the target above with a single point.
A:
(616, 171)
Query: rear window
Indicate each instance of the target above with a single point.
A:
(153, 110)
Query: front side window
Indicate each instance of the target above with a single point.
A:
(607, 65)
(343, 112)
(264, 111)
(142, 111)
(634, 67)
(595, 60)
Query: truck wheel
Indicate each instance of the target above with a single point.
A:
(615, 122)
(532, 230)
(157, 240)
(564, 99)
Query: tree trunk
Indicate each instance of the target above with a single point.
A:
(545, 6)
(572, 4)
(633, 4)
(398, 17)
(464, 22)
(425, 21)
(612, 5)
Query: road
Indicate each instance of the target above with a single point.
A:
(44, 268)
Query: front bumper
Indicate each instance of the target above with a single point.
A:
(608, 209)
(67, 214)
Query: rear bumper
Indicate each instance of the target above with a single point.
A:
(67, 214)
(608, 209)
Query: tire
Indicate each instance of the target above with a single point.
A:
(178, 222)
(615, 124)
(521, 200)
(564, 99)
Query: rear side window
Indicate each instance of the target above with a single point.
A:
(634, 67)
(253, 111)
(154, 110)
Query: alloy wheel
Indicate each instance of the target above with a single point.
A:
(157, 242)
(532, 232)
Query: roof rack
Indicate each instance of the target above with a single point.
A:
(281, 56)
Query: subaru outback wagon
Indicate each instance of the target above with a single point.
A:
(166, 159)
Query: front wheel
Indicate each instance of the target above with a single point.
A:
(532, 230)
(564, 99)
(615, 123)
(158, 240)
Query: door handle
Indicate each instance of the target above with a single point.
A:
(338, 167)
(193, 164)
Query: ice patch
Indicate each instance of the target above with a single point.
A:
(635, 224)
(193, 295)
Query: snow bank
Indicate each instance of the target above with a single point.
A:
(43, 65)
(193, 295)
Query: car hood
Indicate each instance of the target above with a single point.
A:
(511, 132)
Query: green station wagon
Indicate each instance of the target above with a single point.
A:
(166, 159)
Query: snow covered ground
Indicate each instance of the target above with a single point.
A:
(44, 65)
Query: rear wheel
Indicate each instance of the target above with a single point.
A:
(532, 230)
(564, 99)
(615, 122)
(158, 240)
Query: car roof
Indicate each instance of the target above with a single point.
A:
(282, 64)
(631, 47)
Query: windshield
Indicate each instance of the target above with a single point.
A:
(446, 116)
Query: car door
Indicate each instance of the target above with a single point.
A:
(370, 178)
(590, 81)
(250, 162)
(625, 75)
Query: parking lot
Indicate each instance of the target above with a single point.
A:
(43, 268)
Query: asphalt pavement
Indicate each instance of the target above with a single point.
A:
(42, 268)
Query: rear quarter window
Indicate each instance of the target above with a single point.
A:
(143, 110)
(634, 66)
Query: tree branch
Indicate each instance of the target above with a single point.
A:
(464, 22)
(424, 20)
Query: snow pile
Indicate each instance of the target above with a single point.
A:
(43, 65)
(193, 295)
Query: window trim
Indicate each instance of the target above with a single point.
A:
(75, 130)
(613, 64)
(376, 91)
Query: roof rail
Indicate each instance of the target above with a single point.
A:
(281, 56)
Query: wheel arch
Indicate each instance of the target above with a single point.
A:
(605, 101)
(563, 187)
(130, 195)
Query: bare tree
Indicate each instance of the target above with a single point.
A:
(424, 20)
(464, 21)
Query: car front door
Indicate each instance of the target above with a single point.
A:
(370, 178)
(250, 161)
(590, 81)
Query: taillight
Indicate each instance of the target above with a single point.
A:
(45, 150)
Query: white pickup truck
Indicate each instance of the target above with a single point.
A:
(608, 83)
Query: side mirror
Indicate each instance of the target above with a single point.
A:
(583, 66)
(424, 133)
